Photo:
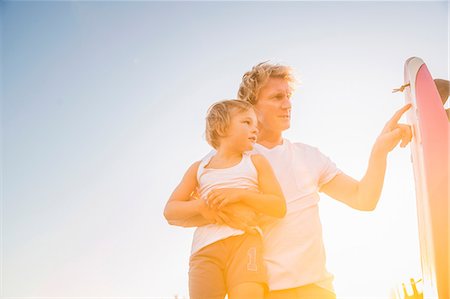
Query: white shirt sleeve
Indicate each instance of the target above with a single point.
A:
(328, 169)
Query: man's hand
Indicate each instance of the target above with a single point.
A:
(236, 215)
(393, 132)
(211, 215)
(236, 222)
(241, 213)
(219, 198)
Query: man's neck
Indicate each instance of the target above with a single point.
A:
(270, 140)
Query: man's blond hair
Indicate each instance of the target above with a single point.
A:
(218, 119)
(253, 80)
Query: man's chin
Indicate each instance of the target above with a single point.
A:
(285, 127)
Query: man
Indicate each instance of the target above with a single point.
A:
(294, 251)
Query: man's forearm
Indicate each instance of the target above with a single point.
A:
(267, 204)
(191, 213)
(235, 215)
(194, 221)
(371, 185)
(180, 210)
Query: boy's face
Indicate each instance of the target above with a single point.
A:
(273, 105)
(242, 132)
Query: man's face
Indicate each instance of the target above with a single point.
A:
(273, 106)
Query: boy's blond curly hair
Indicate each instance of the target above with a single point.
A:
(253, 80)
(218, 119)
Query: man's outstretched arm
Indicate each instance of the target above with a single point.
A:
(364, 194)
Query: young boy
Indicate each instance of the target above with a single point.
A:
(227, 260)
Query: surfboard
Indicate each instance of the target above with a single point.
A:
(429, 153)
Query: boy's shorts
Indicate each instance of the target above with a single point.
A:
(310, 291)
(218, 267)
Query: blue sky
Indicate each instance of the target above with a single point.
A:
(103, 107)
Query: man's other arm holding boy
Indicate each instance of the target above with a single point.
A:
(238, 208)
(183, 209)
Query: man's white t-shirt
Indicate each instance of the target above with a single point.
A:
(294, 250)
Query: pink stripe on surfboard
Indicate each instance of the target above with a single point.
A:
(434, 134)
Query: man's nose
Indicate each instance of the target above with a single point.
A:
(286, 104)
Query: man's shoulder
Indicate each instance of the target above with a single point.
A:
(309, 153)
(302, 146)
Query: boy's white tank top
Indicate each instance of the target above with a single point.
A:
(243, 175)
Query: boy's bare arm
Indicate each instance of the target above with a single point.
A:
(181, 205)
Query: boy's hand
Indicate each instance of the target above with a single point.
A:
(221, 197)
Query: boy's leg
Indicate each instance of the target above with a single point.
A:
(246, 275)
(206, 272)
